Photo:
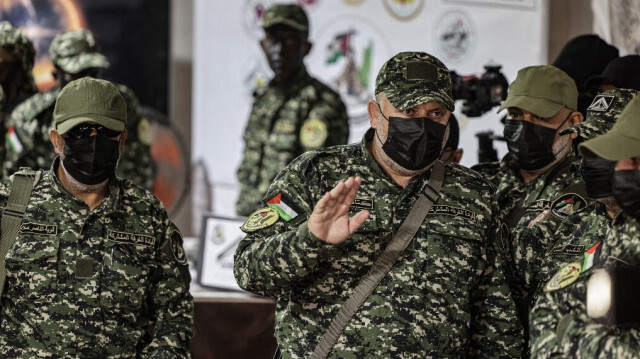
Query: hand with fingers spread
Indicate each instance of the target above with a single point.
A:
(330, 220)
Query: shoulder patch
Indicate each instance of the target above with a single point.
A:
(285, 207)
(568, 274)
(177, 249)
(591, 256)
(313, 133)
(262, 218)
(567, 204)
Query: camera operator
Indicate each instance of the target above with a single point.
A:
(540, 168)
(568, 323)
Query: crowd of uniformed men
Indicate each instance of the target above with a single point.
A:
(385, 248)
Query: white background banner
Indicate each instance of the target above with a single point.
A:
(464, 34)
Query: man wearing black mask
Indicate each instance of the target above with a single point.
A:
(564, 322)
(540, 170)
(95, 255)
(582, 229)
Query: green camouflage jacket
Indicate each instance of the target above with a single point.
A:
(446, 296)
(108, 283)
(560, 326)
(572, 237)
(284, 123)
(27, 141)
(538, 207)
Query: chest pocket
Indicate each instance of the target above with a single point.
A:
(284, 136)
(126, 268)
(31, 266)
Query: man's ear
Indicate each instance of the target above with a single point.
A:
(576, 118)
(57, 141)
(457, 155)
(374, 112)
(123, 139)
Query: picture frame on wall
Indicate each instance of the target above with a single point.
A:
(219, 239)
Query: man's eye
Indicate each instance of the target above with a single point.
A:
(436, 114)
(514, 116)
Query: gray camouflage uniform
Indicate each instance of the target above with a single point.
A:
(446, 296)
(560, 326)
(107, 283)
(30, 122)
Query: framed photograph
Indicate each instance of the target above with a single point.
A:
(219, 239)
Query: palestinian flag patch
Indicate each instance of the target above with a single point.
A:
(12, 139)
(286, 209)
(591, 256)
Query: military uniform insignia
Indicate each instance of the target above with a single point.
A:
(565, 277)
(362, 202)
(601, 103)
(145, 134)
(574, 249)
(35, 228)
(567, 204)
(313, 133)
(286, 208)
(12, 139)
(262, 218)
(591, 256)
(453, 211)
(131, 238)
(284, 127)
(177, 249)
(539, 218)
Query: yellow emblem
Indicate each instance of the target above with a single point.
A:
(259, 219)
(145, 135)
(313, 133)
(566, 275)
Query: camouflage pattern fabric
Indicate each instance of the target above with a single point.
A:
(533, 201)
(76, 50)
(291, 15)
(411, 78)
(28, 143)
(108, 283)
(446, 296)
(560, 326)
(284, 123)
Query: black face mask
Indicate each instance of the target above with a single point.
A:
(531, 145)
(413, 143)
(597, 173)
(91, 160)
(626, 190)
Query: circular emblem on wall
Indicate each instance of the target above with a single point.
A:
(346, 55)
(253, 15)
(404, 10)
(455, 36)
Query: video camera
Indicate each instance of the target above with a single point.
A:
(482, 93)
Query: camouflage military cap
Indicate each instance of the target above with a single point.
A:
(290, 15)
(622, 141)
(76, 50)
(602, 113)
(13, 40)
(90, 100)
(412, 78)
(542, 90)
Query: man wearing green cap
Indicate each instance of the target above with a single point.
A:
(96, 268)
(74, 54)
(566, 324)
(293, 114)
(540, 170)
(329, 215)
(17, 55)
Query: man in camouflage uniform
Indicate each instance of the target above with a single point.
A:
(540, 172)
(16, 79)
(589, 224)
(561, 326)
(97, 268)
(75, 55)
(331, 212)
(294, 114)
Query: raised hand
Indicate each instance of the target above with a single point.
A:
(330, 220)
